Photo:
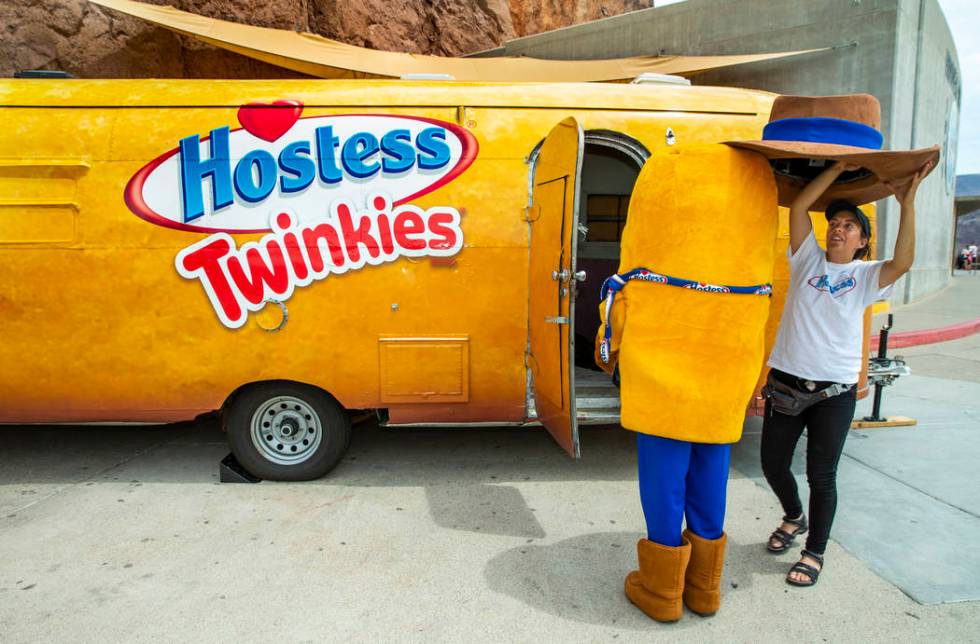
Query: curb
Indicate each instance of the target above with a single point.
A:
(929, 336)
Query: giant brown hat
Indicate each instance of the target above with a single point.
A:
(805, 134)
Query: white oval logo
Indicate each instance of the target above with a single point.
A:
(233, 180)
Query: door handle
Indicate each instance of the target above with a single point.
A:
(561, 319)
(580, 276)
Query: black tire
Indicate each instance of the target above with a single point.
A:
(286, 431)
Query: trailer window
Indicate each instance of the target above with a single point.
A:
(609, 170)
(605, 217)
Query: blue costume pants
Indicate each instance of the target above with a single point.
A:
(679, 479)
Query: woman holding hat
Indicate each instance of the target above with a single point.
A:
(818, 348)
(826, 154)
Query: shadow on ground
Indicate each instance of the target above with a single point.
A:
(190, 452)
(581, 578)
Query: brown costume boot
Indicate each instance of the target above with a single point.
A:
(702, 583)
(657, 586)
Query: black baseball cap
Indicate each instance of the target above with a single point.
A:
(839, 205)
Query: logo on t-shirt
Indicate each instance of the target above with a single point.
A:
(822, 283)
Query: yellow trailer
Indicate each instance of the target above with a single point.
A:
(289, 251)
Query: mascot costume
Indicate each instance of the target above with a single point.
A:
(684, 329)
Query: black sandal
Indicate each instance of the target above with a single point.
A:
(784, 538)
(806, 569)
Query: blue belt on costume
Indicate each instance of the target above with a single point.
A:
(615, 284)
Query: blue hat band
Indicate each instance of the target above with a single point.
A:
(823, 130)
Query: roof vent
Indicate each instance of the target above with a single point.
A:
(649, 78)
(42, 73)
(432, 77)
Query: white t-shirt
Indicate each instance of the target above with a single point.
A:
(822, 328)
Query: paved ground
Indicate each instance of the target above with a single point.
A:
(434, 535)
(958, 302)
(909, 506)
(124, 534)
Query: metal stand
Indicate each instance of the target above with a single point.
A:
(231, 471)
(882, 356)
(883, 371)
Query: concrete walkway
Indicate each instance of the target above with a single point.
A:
(489, 535)
(959, 302)
(481, 535)
(908, 496)
(909, 504)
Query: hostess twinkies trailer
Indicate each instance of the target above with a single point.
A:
(289, 251)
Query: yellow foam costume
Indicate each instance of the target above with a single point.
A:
(689, 354)
(689, 360)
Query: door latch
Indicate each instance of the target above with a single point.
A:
(565, 275)
(561, 319)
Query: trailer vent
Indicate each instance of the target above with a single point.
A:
(430, 77)
(38, 200)
(650, 78)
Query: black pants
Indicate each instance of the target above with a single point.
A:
(827, 424)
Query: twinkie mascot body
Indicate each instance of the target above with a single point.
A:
(689, 355)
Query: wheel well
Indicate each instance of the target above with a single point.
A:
(259, 383)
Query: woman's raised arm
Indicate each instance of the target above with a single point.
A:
(799, 211)
(904, 255)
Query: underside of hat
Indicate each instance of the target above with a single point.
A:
(858, 187)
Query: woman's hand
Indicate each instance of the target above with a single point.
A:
(842, 167)
(904, 255)
(905, 193)
(831, 172)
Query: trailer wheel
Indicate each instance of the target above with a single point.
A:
(286, 431)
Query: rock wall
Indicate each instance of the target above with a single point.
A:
(92, 42)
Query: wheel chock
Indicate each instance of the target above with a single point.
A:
(231, 471)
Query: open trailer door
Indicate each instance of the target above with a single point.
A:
(553, 215)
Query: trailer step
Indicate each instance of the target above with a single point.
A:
(595, 390)
(598, 418)
(596, 402)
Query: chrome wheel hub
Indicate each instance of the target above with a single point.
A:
(286, 430)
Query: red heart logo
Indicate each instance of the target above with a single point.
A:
(269, 121)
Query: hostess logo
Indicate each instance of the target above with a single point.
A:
(230, 180)
(822, 283)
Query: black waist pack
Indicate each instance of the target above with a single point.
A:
(791, 401)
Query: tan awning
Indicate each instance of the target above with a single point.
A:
(321, 57)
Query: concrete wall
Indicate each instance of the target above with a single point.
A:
(927, 111)
(878, 48)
